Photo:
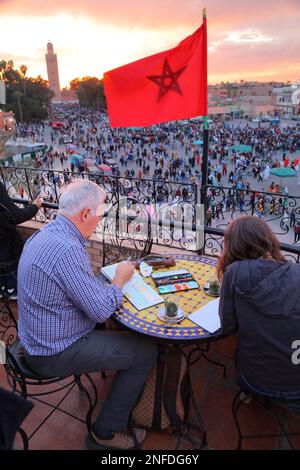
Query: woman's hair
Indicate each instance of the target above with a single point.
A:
(79, 195)
(248, 237)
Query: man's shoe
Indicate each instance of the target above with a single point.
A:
(119, 441)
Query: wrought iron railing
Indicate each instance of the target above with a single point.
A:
(281, 211)
(214, 243)
(174, 206)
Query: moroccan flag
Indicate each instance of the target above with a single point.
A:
(163, 87)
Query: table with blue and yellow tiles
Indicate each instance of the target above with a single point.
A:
(147, 322)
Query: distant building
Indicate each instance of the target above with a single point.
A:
(69, 96)
(52, 70)
(252, 99)
(286, 98)
(217, 95)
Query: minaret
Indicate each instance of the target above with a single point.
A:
(52, 69)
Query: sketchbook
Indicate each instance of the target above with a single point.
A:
(136, 290)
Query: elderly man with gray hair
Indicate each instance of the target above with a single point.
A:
(60, 303)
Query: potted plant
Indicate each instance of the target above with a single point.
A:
(171, 306)
(214, 287)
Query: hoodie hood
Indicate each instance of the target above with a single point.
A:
(271, 287)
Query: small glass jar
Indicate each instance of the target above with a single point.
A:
(171, 305)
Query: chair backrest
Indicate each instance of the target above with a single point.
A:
(8, 324)
(8, 332)
(126, 231)
(8, 341)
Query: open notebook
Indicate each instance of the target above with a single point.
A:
(136, 290)
(208, 316)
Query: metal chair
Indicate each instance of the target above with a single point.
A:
(270, 406)
(14, 409)
(20, 376)
(126, 231)
(8, 266)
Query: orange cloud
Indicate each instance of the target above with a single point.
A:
(246, 39)
(157, 13)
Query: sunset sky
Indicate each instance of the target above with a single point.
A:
(251, 40)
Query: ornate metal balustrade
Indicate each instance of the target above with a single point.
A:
(281, 211)
(174, 207)
(214, 242)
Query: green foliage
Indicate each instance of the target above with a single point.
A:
(90, 92)
(171, 309)
(28, 98)
(214, 287)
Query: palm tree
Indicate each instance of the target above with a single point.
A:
(23, 70)
(2, 67)
(17, 94)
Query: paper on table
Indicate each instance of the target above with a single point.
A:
(208, 316)
(136, 290)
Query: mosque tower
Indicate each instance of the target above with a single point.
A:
(52, 70)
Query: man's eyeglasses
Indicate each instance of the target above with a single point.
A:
(105, 213)
(101, 216)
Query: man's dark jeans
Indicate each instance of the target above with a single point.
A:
(131, 356)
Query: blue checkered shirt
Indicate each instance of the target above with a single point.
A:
(60, 300)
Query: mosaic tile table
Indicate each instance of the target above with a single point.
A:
(147, 322)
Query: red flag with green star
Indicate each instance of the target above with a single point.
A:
(168, 86)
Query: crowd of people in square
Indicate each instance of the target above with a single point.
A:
(61, 302)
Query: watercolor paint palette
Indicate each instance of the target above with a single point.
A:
(174, 281)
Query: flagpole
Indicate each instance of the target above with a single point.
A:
(205, 136)
(203, 195)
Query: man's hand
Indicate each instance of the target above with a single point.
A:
(124, 273)
(38, 201)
